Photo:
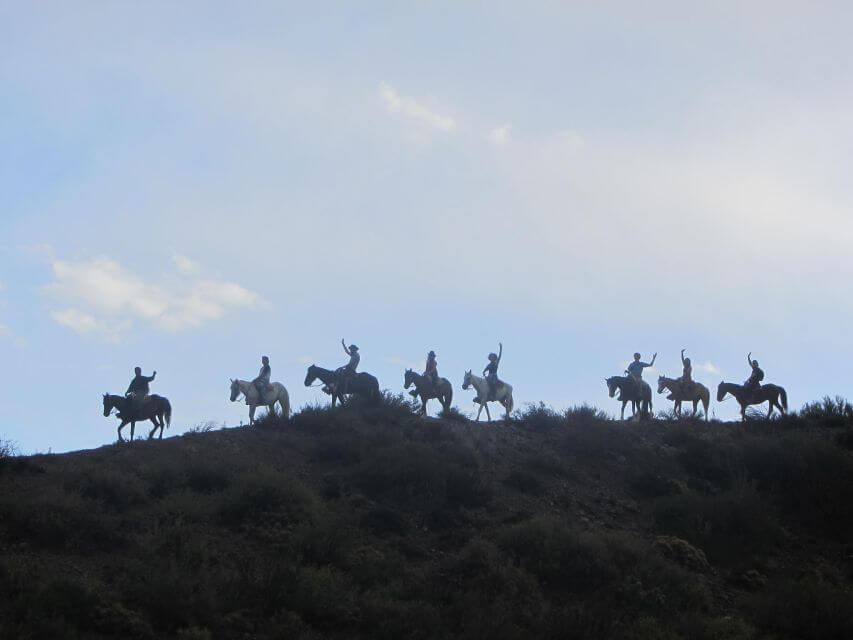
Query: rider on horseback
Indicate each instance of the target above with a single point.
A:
(687, 374)
(491, 371)
(753, 383)
(138, 389)
(430, 373)
(262, 382)
(635, 370)
(349, 369)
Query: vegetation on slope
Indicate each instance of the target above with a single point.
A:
(374, 523)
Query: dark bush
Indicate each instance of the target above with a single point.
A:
(208, 477)
(829, 412)
(268, 496)
(524, 482)
(731, 527)
(805, 609)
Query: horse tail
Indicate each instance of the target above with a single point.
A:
(167, 411)
(449, 397)
(284, 401)
(784, 395)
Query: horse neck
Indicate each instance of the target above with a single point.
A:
(478, 382)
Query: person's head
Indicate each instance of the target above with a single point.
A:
(755, 364)
(431, 354)
(352, 347)
(265, 360)
(493, 357)
(636, 356)
(138, 371)
(686, 362)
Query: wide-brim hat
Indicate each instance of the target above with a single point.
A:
(493, 355)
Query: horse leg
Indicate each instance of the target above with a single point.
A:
(424, 401)
(132, 427)
(120, 439)
(769, 408)
(251, 414)
(478, 413)
(153, 420)
(695, 407)
(488, 415)
(622, 416)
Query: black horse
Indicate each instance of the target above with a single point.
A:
(155, 408)
(772, 394)
(361, 384)
(628, 391)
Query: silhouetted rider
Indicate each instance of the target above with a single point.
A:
(491, 370)
(753, 383)
(349, 369)
(430, 373)
(687, 373)
(138, 389)
(635, 370)
(262, 382)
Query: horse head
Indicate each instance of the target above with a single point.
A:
(721, 392)
(468, 381)
(409, 378)
(235, 390)
(612, 386)
(311, 376)
(107, 405)
(662, 383)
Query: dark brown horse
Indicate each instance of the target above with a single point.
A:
(155, 408)
(443, 391)
(772, 394)
(628, 392)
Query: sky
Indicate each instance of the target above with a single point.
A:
(188, 186)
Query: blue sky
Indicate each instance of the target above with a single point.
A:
(186, 187)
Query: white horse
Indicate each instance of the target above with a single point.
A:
(275, 393)
(503, 394)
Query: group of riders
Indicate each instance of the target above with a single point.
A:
(139, 387)
(635, 372)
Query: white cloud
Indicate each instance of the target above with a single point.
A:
(499, 136)
(184, 264)
(105, 298)
(707, 367)
(409, 107)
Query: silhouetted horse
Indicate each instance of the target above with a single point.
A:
(443, 391)
(361, 384)
(155, 408)
(628, 392)
(694, 394)
(769, 393)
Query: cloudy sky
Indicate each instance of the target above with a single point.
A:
(187, 186)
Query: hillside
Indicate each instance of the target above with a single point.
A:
(373, 523)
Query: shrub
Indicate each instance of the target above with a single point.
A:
(585, 412)
(731, 528)
(453, 414)
(830, 412)
(805, 609)
(268, 496)
(524, 482)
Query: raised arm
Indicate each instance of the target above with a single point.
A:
(682, 356)
(500, 351)
(749, 358)
(652, 363)
(344, 345)
(151, 377)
